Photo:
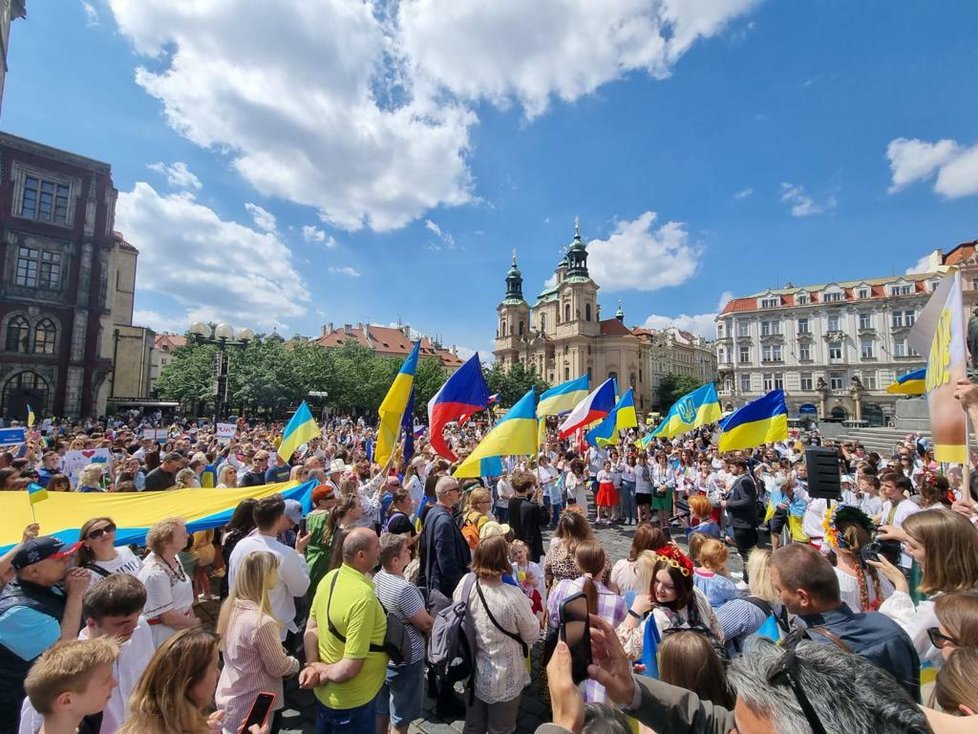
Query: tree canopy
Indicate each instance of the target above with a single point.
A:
(672, 387)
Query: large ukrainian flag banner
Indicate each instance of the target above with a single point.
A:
(563, 398)
(514, 435)
(133, 512)
(691, 411)
(763, 421)
(911, 383)
(621, 417)
(939, 335)
(391, 411)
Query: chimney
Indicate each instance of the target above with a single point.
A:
(327, 329)
(348, 329)
(406, 328)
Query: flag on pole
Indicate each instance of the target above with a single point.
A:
(407, 425)
(621, 417)
(763, 421)
(392, 409)
(911, 383)
(464, 393)
(564, 397)
(300, 429)
(541, 431)
(30, 417)
(36, 493)
(691, 411)
(593, 408)
(514, 435)
(939, 334)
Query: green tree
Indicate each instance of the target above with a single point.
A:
(429, 378)
(513, 383)
(189, 376)
(672, 387)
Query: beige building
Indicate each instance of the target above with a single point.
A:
(562, 335)
(676, 351)
(833, 348)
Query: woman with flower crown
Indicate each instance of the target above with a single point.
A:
(847, 531)
(670, 601)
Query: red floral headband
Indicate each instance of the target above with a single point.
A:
(674, 557)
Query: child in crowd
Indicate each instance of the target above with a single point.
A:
(702, 520)
(713, 577)
(528, 575)
(71, 682)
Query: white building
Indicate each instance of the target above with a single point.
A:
(835, 347)
(677, 352)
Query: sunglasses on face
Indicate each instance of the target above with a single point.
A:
(99, 532)
(938, 639)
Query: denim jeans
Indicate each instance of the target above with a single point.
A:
(359, 720)
(627, 500)
(555, 510)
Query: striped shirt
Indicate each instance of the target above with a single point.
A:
(400, 597)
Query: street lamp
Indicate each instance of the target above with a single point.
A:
(221, 335)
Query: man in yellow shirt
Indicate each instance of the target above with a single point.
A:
(344, 641)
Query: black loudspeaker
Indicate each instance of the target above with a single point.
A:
(824, 473)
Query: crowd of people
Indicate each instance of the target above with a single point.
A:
(401, 581)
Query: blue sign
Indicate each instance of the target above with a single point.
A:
(11, 435)
(807, 409)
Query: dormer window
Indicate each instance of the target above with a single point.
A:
(832, 297)
(863, 293)
(801, 299)
(772, 302)
(901, 289)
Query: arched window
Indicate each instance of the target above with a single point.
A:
(587, 311)
(18, 334)
(567, 312)
(21, 390)
(521, 327)
(44, 336)
(543, 322)
(504, 328)
(612, 375)
(631, 380)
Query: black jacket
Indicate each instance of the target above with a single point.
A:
(526, 518)
(742, 503)
(445, 555)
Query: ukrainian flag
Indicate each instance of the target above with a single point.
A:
(514, 435)
(563, 398)
(621, 417)
(36, 493)
(763, 421)
(911, 383)
(691, 411)
(299, 430)
(392, 409)
(30, 417)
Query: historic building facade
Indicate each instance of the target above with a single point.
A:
(563, 336)
(835, 347)
(675, 351)
(67, 280)
(388, 341)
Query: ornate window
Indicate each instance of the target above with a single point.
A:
(44, 336)
(18, 334)
(46, 201)
(24, 388)
(38, 268)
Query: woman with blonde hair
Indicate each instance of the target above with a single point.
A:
(227, 477)
(945, 545)
(90, 478)
(250, 642)
(186, 479)
(169, 590)
(740, 618)
(476, 514)
(176, 690)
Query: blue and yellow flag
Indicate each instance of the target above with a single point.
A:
(30, 417)
(564, 397)
(763, 421)
(36, 493)
(391, 411)
(911, 383)
(621, 417)
(299, 430)
(514, 435)
(691, 411)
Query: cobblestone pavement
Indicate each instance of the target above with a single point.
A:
(299, 714)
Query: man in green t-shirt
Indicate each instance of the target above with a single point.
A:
(346, 663)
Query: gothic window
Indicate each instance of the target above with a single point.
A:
(24, 388)
(18, 334)
(44, 335)
(587, 311)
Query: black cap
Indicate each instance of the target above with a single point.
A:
(36, 550)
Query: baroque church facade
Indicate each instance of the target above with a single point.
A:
(562, 335)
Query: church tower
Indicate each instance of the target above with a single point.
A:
(513, 327)
(577, 292)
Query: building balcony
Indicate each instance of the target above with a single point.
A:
(772, 361)
(806, 334)
(867, 330)
(834, 335)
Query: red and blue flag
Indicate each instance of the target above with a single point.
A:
(464, 393)
(593, 408)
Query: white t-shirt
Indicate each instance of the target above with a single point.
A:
(164, 592)
(293, 575)
(125, 562)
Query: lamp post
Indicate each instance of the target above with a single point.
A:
(222, 336)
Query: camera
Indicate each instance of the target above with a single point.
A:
(889, 549)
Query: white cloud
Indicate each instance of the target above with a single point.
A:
(318, 236)
(263, 218)
(351, 272)
(744, 193)
(637, 256)
(914, 160)
(177, 175)
(159, 322)
(217, 270)
(91, 14)
(384, 136)
(921, 266)
(703, 324)
(803, 204)
(505, 50)
(447, 241)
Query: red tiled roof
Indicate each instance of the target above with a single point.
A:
(121, 241)
(614, 327)
(169, 342)
(386, 341)
(960, 253)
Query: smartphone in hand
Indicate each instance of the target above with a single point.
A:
(259, 711)
(575, 630)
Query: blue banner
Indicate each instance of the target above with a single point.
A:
(12, 435)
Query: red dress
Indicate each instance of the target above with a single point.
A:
(607, 495)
